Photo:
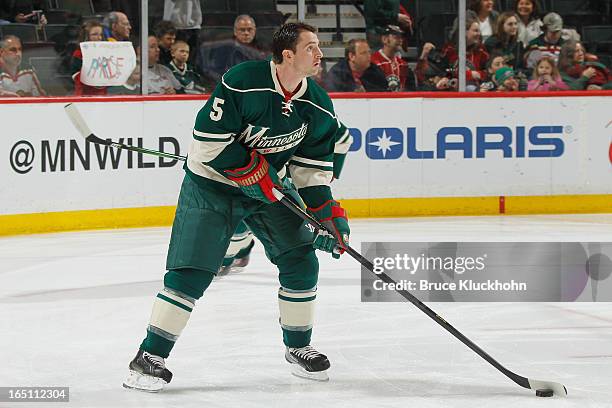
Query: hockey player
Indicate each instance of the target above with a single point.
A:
(263, 119)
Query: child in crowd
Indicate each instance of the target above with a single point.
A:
(546, 77)
(183, 72)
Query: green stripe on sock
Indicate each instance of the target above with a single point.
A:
(174, 302)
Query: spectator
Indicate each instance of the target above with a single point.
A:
(14, 77)
(166, 35)
(546, 77)
(529, 22)
(186, 16)
(582, 71)
(476, 55)
(495, 62)
(506, 80)
(505, 40)
(548, 43)
(399, 76)
(118, 27)
(245, 32)
(356, 73)
(161, 79)
(24, 11)
(187, 77)
(215, 58)
(90, 31)
(485, 15)
(381, 13)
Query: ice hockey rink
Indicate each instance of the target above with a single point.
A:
(74, 308)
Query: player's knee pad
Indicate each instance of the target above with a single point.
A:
(296, 308)
(171, 311)
(298, 268)
(191, 282)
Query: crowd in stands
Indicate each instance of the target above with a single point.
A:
(511, 46)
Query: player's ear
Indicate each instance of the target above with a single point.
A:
(287, 55)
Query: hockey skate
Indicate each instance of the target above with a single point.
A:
(306, 362)
(237, 266)
(148, 372)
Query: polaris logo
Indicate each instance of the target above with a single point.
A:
(478, 143)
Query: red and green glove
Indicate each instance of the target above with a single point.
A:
(333, 217)
(256, 179)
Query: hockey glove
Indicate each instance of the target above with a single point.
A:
(333, 217)
(256, 179)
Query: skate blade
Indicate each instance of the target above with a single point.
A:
(230, 270)
(299, 371)
(142, 382)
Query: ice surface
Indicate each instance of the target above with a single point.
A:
(74, 308)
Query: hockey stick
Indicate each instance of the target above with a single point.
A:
(79, 123)
(543, 388)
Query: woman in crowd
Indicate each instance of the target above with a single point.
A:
(546, 76)
(529, 22)
(505, 40)
(90, 31)
(476, 57)
(580, 70)
(485, 14)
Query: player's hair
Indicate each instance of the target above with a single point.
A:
(164, 27)
(351, 47)
(286, 38)
(86, 28)
(177, 44)
(4, 41)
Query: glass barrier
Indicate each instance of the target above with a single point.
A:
(368, 45)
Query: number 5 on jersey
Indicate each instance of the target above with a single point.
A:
(216, 111)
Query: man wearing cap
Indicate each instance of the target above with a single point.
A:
(548, 43)
(505, 78)
(398, 74)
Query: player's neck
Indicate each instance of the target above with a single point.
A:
(288, 77)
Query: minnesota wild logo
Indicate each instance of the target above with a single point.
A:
(259, 138)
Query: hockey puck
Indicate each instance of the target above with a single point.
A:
(544, 393)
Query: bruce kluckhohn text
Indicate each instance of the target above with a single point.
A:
(489, 285)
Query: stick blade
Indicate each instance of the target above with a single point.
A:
(77, 120)
(557, 388)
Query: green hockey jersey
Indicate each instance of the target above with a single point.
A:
(248, 111)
